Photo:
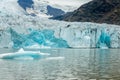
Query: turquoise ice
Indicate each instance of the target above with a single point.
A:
(104, 40)
(42, 37)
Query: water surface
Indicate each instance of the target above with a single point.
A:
(64, 64)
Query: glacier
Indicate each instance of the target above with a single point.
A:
(57, 34)
(44, 37)
(18, 30)
(104, 40)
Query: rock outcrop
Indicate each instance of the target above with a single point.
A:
(100, 11)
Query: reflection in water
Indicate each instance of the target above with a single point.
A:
(65, 64)
(103, 62)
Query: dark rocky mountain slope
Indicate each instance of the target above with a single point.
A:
(100, 11)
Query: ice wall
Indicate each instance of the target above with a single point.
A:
(41, 37)
(92, 36)
(22, 30)
(63, 37)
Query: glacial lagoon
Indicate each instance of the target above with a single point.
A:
(63, 64)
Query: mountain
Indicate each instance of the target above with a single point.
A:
(40, 8)
(25, 3)
(100, 11)
(47, 8)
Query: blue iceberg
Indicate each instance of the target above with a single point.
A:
(23, 55)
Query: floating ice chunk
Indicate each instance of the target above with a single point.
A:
(21, 50)
(37, 46)
(55, 58)
(21, 54)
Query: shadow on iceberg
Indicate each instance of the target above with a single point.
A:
(40, 37)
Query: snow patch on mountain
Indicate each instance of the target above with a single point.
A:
(66, 5)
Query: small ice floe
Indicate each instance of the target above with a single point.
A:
(55, 58)
(36, 46)
(21, 54)
(103, 46)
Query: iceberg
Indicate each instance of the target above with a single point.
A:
(21, 54)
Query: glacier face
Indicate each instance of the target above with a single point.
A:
(56, 34)
(41, 37)
(19, 30)
(104, 40)
(92, 35)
